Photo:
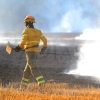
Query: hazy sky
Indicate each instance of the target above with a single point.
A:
(50, 15)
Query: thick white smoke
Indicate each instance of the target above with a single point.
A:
(90, 64)
(90, 34)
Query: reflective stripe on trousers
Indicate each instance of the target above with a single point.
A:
(40, 80)
(24, 81)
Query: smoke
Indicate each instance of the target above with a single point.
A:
(89, 34)
(50, 15)
(79, 16)
(89, 65)
(13, 13)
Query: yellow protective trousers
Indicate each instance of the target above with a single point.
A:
(32, 69)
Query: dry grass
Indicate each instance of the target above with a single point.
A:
(51, 92)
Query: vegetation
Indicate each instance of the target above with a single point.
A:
(52, 91)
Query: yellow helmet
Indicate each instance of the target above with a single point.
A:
(29, 18)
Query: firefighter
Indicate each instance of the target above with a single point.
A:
(30, 41)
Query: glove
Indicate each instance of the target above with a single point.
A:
(17, 48)
(42, 50)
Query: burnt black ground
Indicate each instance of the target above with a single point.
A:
(51, 66)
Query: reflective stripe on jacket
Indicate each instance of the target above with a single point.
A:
(31, 37)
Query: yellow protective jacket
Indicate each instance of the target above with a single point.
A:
(31, 37)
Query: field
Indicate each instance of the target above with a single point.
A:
(59, 86)
(50, 92)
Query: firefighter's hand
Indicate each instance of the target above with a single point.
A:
(42, 50)
(17, 48)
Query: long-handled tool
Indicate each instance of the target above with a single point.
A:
(9, 49)
(51, 53)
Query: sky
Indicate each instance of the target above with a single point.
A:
(50, 15)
